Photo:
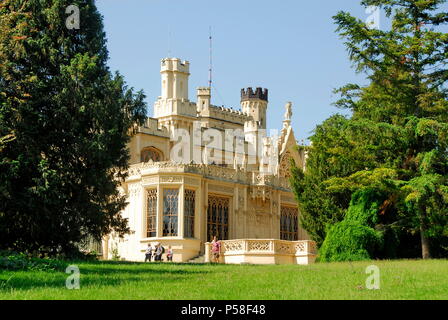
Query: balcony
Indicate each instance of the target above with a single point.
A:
(226, 174)
(264, 252)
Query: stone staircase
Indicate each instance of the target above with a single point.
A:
(198, 259)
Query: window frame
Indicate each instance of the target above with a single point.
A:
(291, 234)
(154, 216)
(192, 216)
(173, 214)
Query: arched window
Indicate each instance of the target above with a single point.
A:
(289, 224)
(150, 154)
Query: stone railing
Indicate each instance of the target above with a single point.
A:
(264, 251)
(213, 171)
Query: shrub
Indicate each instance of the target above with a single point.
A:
(355, 238)
(350, 241)
(21, 261)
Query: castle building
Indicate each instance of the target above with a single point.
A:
(199, 170)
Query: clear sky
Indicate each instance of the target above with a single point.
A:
(287, 46)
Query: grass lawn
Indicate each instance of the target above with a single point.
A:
(120, 280)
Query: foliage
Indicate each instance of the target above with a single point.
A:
(317, 205)
(65, 122)
(355, 238)
(21, 261)
(395, 140)
(115, 254)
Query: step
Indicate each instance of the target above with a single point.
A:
(199, 259)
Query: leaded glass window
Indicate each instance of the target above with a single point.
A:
(218, 218)
(151, 213)
(170, 212)
(289, 224)
(189, 205)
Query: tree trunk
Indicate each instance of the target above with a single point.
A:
(425, 243)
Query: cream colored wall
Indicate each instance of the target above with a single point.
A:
(141, 141)
(254, 207)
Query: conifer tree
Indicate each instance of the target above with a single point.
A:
(65, 122)
(396, 138)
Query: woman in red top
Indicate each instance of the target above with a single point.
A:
(216, 249)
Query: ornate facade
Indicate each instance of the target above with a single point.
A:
(199, 170)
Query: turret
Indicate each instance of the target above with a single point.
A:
(255, 104)
(203, 99)
(175, 75)
(174, 97)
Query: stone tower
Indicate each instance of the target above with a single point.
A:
(203, 99)
(174, 96)
(254, 104)
(175, 74)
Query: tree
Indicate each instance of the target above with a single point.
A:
(355, 238)
(402, 114)
(65, 122)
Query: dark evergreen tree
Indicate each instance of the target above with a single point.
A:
(65, 122)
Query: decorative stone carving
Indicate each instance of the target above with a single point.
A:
(286, 198)
(285, 165)
(258, 245)
(171, 179)
(220, 189)
(134, 189)
(191, 181)
(210, 171)
(150, 180)
(233, 245)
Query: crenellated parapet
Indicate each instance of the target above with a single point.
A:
(151, 126)
(250, 94)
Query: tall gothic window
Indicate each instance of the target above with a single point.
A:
(152, 154)
(218, 218)
(289, 224)
(189, 205)
(151, 213)
(170, 212)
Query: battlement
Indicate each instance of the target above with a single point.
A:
(203, 91)
(175, 64)
(249, 94)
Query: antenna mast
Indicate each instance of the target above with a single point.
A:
(169, 43)
(211, 60)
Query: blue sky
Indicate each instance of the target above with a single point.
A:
(287, 46)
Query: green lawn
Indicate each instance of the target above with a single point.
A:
(118, 280)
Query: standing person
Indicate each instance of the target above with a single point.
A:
(148, 253)
(159, 252)
(216, 249)
(169, 255)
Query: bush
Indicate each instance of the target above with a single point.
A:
(350, 241)
(355, 238)
(21, 261)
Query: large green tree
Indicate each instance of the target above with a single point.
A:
(396, 138)
(65, 122)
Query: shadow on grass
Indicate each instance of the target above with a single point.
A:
(104, 273)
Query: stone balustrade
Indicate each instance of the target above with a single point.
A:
(248, 251)
(212, 171)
